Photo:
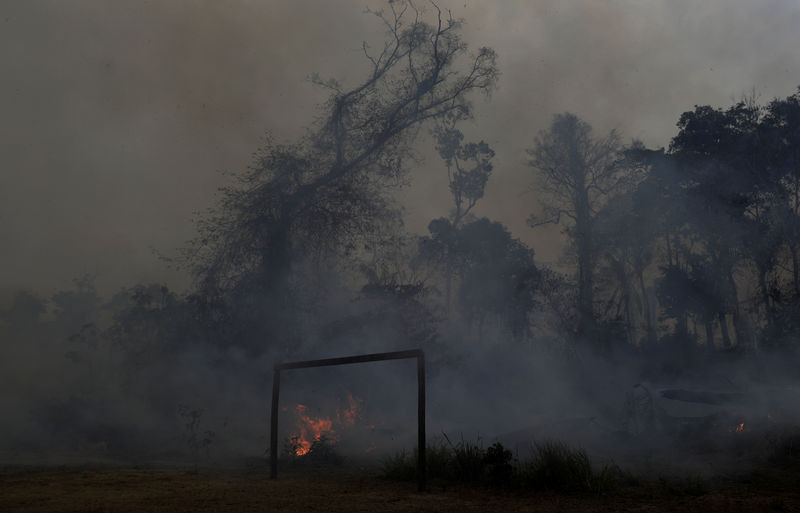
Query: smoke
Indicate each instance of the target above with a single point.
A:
(118, 117)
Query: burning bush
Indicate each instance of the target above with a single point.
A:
(321, 450)
(315, 437)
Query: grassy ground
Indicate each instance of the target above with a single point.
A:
(143, 490)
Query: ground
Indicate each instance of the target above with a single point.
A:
(95, 490)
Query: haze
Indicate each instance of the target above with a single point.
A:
(118, 116)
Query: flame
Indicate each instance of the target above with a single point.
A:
(349, 416)
(311, 430)
(738, 428)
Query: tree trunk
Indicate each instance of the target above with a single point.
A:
(583, 241)
(709, 323)
(795, 269)
(723, 325)
(651, 332)
(740, 324)
(762, 285)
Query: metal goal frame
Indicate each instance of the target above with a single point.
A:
(364, 358)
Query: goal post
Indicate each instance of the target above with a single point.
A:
(364, 358)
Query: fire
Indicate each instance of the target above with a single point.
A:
(738, 428)
(349, 416)
(311, 429)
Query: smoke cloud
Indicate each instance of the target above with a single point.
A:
(117, 119)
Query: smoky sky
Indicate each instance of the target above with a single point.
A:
(116, 118)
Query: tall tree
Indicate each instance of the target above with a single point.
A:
(469, 166)
(319, 196)
(576, 172)
(725, 189)
(781, 128)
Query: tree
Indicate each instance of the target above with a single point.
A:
(781, 128)
(724, 195)
(624, 233)
(496, 274)
(726, 189)
(499, 277)
(319, 196)
(25, 311)
(151, 323)
(468, 168)
(576, 172)
(78, 307)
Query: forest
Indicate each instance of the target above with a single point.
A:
(679, 274)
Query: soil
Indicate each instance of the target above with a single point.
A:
(169, 490)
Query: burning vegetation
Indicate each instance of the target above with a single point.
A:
(321, 429)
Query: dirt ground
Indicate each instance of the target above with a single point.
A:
(142, 490)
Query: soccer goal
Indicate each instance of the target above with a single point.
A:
(364, 358)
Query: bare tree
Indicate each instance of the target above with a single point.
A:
(575, 174)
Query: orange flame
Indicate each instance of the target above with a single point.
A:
(352, 413)
(314, 429)
(311, 430)
(737, 428)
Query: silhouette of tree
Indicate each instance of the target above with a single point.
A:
(723, 198)
(25, 311)
(495, 272)
(468, 169)
(318, 197)
(576, 173)
(468, 165)
(77, 307)
(499, 277)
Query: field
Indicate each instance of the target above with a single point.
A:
(95, 490)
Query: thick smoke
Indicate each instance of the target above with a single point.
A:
(116, 122)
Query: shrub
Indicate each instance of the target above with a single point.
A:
(497, 461)
(469, 460)
(464, 462)
(555, 466)
(784, 449)
(400, 467)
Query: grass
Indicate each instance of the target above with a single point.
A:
(553, 466)
(784, 449)
(557, 467)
